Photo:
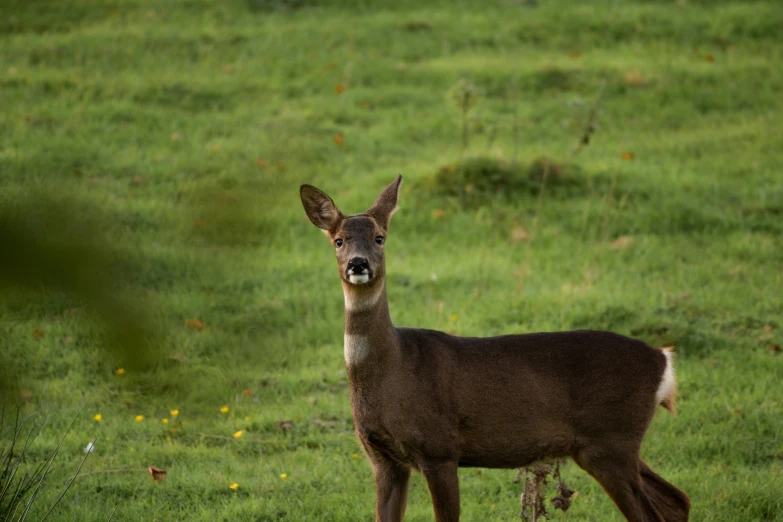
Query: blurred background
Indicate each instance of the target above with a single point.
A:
(612, 164)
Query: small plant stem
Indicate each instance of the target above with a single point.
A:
(464, 130)
(515, 124)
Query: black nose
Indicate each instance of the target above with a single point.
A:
(358, 265)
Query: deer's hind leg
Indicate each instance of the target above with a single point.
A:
(618, 471)
(672, 503)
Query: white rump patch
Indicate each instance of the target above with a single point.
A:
(666, 388)
(356, 348)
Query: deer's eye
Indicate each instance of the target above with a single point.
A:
(379, 240)
(338, 243)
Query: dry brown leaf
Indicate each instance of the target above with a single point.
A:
(39, 333)
(775, 348)
(196, 324)
(621, 242)
(261, 162)
(156, 474)
(519, 234)
(247, 392)
(710, 58)
(339, 88)
(628, 156)
(338, 139)
(285, 425)
(438, 213)
(635, 78)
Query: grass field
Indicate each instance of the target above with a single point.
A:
(193, 123)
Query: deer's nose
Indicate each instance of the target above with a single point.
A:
(358, 265)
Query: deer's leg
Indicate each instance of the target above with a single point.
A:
(443, 481)
(391, 488)
(619, 475)
(672, 503)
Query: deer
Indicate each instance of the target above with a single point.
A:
(432, 402)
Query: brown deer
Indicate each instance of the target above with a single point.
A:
(426, 400)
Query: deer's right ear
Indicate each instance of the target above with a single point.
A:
(320, 208)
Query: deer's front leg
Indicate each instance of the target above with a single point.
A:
(443, 482)
(391, 488)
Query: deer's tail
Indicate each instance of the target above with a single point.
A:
(667, 389)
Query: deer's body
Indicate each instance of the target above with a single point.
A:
(426, 400)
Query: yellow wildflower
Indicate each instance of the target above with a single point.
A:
(234, 486)
(98, 417)
(283, 476)
(165, 421)
(174, 413)
(354, 455)
(139, 418)
(238, 434)
(120, 371)
(224, 409)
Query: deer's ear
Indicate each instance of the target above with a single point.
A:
(320, 208)
(386, 204)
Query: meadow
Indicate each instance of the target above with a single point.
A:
(619, 168)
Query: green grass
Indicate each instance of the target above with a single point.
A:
(189, 95)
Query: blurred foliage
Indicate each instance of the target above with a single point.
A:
(50, 242)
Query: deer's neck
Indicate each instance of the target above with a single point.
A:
(369, 333)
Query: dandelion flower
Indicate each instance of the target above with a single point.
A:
(224, 409)
(234, 486)
(283, 476)
(165, 421)
(120, 371)
(238, 434)
(139, 418)
(98, 417)
(174, 413)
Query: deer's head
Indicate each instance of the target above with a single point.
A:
(358, 239)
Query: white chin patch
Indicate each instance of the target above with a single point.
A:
(359, 279)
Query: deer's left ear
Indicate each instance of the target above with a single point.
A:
(320, 208)
(386, 204)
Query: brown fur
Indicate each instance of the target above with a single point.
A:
(425, 400)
